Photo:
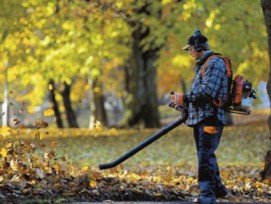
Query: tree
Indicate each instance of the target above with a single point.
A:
(97, 40)
(150, 22)
(63, 40)
(66, 95)
(266, 7)
(230, 31)
(141, 75)
(55, 104)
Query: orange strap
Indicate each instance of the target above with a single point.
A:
(205, 65)
(218, 102)
(225, 60)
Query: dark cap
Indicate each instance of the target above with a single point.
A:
(191, 41)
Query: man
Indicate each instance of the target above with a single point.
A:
(206, 118)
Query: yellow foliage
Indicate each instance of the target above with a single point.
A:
(50, 87)
(48, 112)
(5, 131)
(97, 90)
(50, 8)
(98, 125)
(92, 184)
(189, 5)
(85, 168)
(56, 167)
(164, 2)
(53, 144)
(79, 89)
(181, 61)
(243, 67)
(217, 26)
(209, 21)
(119, 4)
(3, 152)
(39, 123)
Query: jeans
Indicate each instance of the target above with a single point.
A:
(208, 171)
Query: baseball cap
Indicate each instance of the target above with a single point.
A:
(191, 41)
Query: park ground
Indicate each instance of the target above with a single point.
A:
(53, 165)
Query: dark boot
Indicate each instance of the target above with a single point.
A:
(221, 192)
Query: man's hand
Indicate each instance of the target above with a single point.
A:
(176, 98)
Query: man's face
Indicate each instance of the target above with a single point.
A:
(196, 55)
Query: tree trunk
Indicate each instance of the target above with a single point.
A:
(150, 111)
(55, 104)
(266, 7)
(99, 109)
(141, 99)
(71, 118)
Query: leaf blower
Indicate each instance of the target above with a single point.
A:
(148, 141)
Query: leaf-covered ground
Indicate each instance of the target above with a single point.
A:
(53, 165)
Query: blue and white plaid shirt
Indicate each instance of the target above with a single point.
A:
(213, 85)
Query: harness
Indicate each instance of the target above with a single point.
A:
(217, 102)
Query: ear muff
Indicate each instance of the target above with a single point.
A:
(197, 34)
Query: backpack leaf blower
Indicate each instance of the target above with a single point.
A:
(147, 142)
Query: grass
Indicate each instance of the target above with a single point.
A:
(241, 144)
(163, 171)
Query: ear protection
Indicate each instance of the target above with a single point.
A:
(197, 45)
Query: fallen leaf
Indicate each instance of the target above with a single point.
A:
(53, 144)
(3, 152)
(49, 112)
(39, 173)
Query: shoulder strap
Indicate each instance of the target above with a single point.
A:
(205, 64)
(225, 60)
(218, 102)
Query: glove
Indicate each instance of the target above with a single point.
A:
(177, 99)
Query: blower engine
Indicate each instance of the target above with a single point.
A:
(242, 96)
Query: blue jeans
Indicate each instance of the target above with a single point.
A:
(208, 171)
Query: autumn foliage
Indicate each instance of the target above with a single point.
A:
(39, 168)
(32, 171)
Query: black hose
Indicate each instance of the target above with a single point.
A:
(145, 143)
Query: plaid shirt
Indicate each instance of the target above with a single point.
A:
(213, 85)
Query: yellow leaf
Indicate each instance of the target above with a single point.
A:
(8, 145)
(50, 87)
(97, 90)
(98, 125)
(5, 131)
(53, 144)
(48, 155)
(41, 124)
(14, 165)
(3, 152)
(164, 2)
(48, 169)
(190, 179)
(39, 173)
(56, 186)
(49, 112)
(56, 167)
(92, 184)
